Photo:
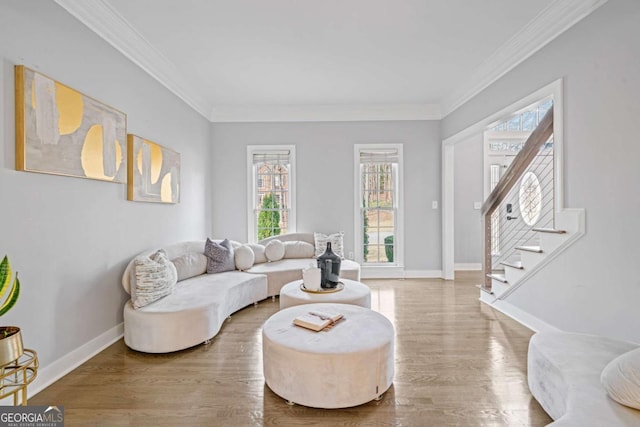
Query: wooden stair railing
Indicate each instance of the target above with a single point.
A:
(536, 140)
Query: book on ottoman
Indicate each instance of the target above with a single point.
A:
(317, 320)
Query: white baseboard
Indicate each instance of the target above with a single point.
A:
(67, 363)
(467, 266)
(398, 273)
(370, 272)
(526, 319)
(423, 274)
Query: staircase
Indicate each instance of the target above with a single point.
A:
(514, 251)
(532, 258)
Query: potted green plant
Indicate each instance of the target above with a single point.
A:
(10, 336)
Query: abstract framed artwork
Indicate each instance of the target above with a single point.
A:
(153, 172)
(61, 131)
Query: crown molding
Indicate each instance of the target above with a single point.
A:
(106, 22)
(325, 113)
(552, 21)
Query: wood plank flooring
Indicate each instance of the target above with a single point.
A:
(458, 363)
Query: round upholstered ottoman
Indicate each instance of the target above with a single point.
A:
(347, 365)
(353, 292)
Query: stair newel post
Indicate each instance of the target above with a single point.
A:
(487, 266)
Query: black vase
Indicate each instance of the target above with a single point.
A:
(329, 265)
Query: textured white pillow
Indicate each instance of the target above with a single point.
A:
(258, 253)
(274, 250)
(243, 257)
(336, 240)
(190, 265)
(621, 379)
(298, 249)
(155, 277)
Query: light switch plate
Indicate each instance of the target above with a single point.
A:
(477, 205)
(434, 204)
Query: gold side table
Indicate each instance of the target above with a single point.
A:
(17, 375)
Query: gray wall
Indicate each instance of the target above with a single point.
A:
(468, 188)
(71, 238)
(325, 199)
(594, 286)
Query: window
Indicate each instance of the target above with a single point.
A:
(525, 120)
(530, 198)
(271, 195)
(379, 237)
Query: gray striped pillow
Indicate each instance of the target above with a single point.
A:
(155, 276)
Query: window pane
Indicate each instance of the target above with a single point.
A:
(514, 124)
(272, 199)
(379, 229)
(529, 120)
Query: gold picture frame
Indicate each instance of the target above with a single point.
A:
(61, 131)
(153, 172)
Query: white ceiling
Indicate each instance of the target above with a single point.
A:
(332, 59)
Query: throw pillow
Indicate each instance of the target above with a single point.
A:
(258, 253)
(298, 249)
(190, 265)
(621, 379)
(336, 240)
(274, 250)
(219, 256)
(244, 257)
(155, 277)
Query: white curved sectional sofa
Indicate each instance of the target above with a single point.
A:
(198, 306)
(564, 375)
(279, 273)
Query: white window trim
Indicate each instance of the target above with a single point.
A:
(398, 264)
(251, 179)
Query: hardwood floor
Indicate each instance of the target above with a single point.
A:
(458, 363)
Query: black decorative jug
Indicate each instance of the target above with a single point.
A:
(329, 265)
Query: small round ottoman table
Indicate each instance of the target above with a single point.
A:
(348, 365)
(355, 293)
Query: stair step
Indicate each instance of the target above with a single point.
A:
(498, 277)
(515, 264)
(535, 249)
(549, 230)
(483, 289)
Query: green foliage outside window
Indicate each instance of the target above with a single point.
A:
(365, 236)
(388, 247)
(269, 217)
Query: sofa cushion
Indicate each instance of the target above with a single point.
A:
(274, 250)
(258, 253)
(336, 240)
(219, 256)
(621, 379)
(298, 249)
(154, 277)
(190, 265)
(243, 257)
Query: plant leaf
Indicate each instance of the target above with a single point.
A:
(12, 298)
(5, 276)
